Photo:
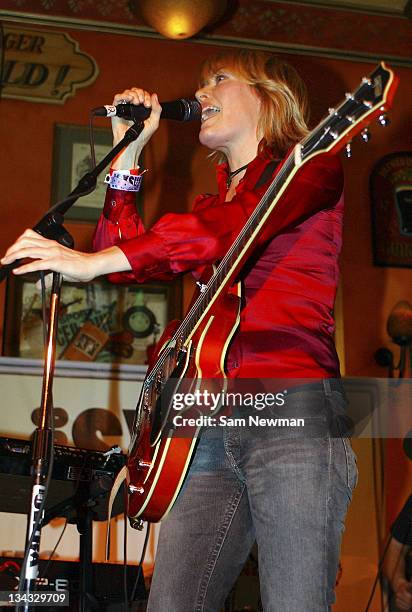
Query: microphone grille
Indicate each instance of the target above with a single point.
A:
(192, 109)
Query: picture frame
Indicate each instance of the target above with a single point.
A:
(98, 321)
(391, 210)
(71, 160)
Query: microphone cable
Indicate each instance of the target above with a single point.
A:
(91, 141)
(378, 573)
(140, 564)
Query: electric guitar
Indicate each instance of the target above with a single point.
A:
(194, 350)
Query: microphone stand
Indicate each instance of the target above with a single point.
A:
(51, 226)
(42, 453)
(79, 509)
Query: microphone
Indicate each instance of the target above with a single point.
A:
(178, 110)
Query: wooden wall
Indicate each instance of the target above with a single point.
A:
(179, 169)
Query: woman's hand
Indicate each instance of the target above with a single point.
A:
(74, 265)
(403, 595)
(129, 157)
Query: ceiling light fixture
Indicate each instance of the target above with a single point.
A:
(179, 19)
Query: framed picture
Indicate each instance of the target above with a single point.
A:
(391, 198)
(98, 321)
(71, 160)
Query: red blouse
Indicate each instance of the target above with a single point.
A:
(287, 326)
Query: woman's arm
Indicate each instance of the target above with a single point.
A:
(179, 243)
(394, 569)
(77, 266)
(74, 265)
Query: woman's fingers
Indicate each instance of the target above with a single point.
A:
(37, 265)
(48, 255)
(75, 267)
(32, 252)
(22, 241)
(136, 95)
(28, 240)
(156, 108)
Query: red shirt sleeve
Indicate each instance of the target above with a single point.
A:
(119, 221)
(179, 243)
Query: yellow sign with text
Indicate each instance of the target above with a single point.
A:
(44, 66)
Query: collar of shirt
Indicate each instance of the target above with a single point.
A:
(253, 172)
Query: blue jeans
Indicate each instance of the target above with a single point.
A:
(289, 491)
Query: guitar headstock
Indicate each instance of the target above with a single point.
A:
(371, 99)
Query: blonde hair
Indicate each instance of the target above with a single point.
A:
(283, 94)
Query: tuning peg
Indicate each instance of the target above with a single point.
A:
(348, 150)
(384, 119)
(366, 135)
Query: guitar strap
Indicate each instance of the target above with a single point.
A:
(267, 173)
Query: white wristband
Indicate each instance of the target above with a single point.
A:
(123, 180)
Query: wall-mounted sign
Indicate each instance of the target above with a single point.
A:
(391, 192)
(44, 66)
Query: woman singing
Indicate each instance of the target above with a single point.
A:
(290, 493)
